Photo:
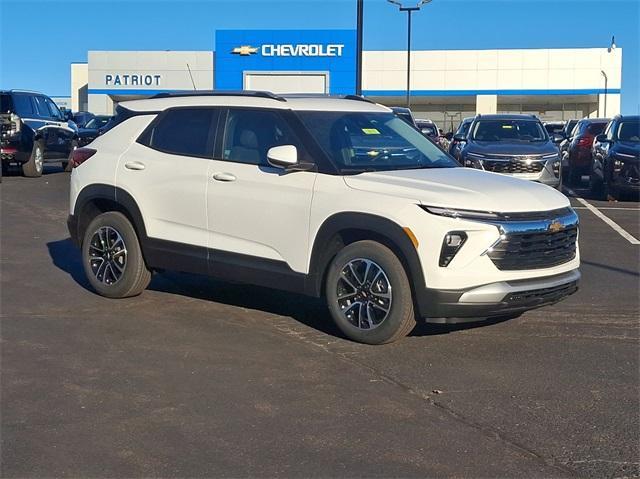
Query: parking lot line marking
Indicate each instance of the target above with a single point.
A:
(615, 226)
(607, 208)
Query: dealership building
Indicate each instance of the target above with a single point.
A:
(446, 85)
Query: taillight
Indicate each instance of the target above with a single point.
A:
(14, 127)
(80, 155)
(585, 141)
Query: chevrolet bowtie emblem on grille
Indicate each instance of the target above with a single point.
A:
(244, 50)
(555, 226)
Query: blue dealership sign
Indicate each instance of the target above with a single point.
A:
(331, 51)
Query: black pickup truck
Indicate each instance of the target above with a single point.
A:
(33, 131)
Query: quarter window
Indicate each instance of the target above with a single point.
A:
(250, 133)
(23, 105)
(183, 131)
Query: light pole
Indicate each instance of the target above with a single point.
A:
(359, 17)
(409, 11)
(606, 80)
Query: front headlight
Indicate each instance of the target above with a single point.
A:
(464, 214)
(617, 166)
(473, 160)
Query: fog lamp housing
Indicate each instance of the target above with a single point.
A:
(451, 244)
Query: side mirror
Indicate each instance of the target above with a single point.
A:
(459, 137)
(602, 138)
(283, 156)
(557, 137)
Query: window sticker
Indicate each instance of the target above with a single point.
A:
(370, 131)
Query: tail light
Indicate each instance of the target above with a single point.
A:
(80, 155)
(585, 142)
(14, 125)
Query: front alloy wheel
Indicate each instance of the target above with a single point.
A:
(364, 294)
(368, 293)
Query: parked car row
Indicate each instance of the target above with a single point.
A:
(33, 131)
(615, 164)
(605, 150)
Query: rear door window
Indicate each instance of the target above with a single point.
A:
(596, 128)
(183, 131)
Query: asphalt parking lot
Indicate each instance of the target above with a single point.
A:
(201, 378)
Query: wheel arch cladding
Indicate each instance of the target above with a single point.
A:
(345, 228)
(96, 199)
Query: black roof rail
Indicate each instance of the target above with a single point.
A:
(249, 93)
(358, 98)
(324, 95)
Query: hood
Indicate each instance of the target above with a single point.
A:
(87, 132)
(512, 147)
(462, 188)
(628, 147)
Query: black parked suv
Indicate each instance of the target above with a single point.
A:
(615, 168)
(516, 145)
(33, 131)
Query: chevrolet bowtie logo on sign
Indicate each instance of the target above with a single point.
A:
(244, 50)
(555, 226)
(291, 50)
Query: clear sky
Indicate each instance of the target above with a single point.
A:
(39, 39)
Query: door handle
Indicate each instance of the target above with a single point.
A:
(224, 177)
(134, 165)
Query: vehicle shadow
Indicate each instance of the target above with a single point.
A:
(47, 169)
(309, 311)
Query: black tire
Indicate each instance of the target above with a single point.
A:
(399, 319)
(574, 177)
(33, 167)
(134, 274)
(596, 186)
(610, 193)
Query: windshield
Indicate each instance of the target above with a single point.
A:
(508, 130)
(428, 130)
(96, 123)
(554, 128)
(365, 141)
(629, 131)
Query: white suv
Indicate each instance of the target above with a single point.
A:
(333, 197)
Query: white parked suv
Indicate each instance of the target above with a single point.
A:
(333, 197)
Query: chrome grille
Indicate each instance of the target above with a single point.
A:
(535, 249)
(514, 165)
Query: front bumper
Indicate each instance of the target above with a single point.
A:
(496, 299)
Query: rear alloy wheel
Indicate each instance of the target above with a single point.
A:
(33, 167)
(112, 257)
(369, 295)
